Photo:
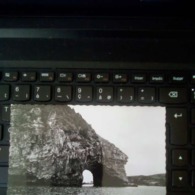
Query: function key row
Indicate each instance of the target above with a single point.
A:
(96, 77)
(64, 93)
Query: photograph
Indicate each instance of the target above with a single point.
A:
(78, 149)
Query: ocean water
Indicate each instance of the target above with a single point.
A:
(140, 190)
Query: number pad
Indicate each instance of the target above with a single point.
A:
(42, 93)
(21, 92)
(125, 94)
(83, 94)
(105, 94)
(63, 93)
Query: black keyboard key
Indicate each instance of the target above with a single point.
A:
(104, 94)
(5, 113)
(5, 134)
(4, 154)
(63, 93)
(193, 116)
(138, 78)
(3, 175)
(177, 123)
(180, 179)
(177, 79)
(193, 136)
(101, 77)
(3, 189)
(1, 132)
(173, 95)
(125, 94)
(10, 76)
(83, 77)
(193, 179)
(146, 95)
(180, 157)
(46, 76)
(21, 92)
(193, 95)
(193, 157)
(28, 76)
(157, 79)
(4, 92)
(83, 94)
(193, 79)
(120, 78)
(65, 77)
(42, 93)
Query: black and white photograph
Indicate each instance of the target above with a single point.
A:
(96, 150)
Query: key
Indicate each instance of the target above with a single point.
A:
(193, 157)
(6, 134)
(120, 78)
(1, 132)
(138, 78)
(101, 77)
(21, 92)
(193, 136)
(42, 93)
(193, 79)
(178, 79)
(177, 123)
(157, 79)
(46, 76)
(83, 94)
(65, 77)
(4, 154)
(180, 157)
(173, 95)
(180, 179)
(10, 76)
(4, 92)
(29, 76)
(83, 77)
(104, 94)
(3, 175)
(63, 93)
(146, 95)
(193, 178)
(125, 94)
(193, 116)
(193, 95)
(5, 113)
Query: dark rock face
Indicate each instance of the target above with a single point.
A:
(53, 145)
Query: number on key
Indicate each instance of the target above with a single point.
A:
(42, 93)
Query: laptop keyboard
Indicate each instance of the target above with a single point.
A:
(175, 91)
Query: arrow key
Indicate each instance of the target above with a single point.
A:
(180, 179)
(180, 157)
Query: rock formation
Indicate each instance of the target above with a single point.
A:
(53, 145)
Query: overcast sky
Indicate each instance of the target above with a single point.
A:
(138, 131)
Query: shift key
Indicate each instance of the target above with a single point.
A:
(176, 119)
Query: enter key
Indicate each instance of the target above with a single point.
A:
(176, 119)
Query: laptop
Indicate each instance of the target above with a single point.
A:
(97, 102)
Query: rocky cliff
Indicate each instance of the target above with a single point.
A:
(53, 145)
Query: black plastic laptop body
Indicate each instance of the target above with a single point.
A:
(108, 61)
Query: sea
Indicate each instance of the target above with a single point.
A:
(140, 190)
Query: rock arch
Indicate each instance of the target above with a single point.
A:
(67, 146)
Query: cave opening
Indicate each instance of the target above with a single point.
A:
(88, 180)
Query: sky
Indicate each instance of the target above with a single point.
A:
(139, 132)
